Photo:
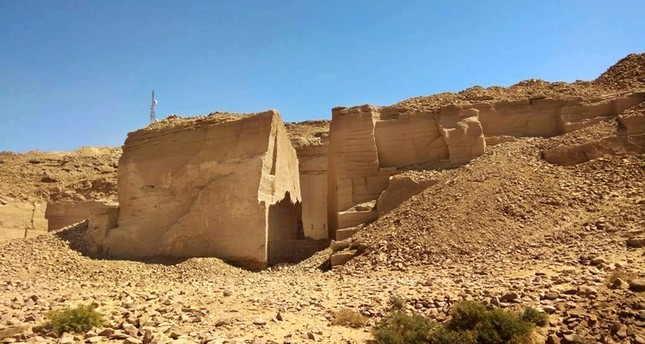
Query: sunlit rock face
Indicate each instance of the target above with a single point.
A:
(219, 186)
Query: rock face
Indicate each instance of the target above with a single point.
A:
(368, 144)
(63, 214)
(15, 217)
(222, 186)
(573, 155)
(313, 182)
(310, 139)
(632, 121)
(549, 117)
(630, 138)
(101, 220)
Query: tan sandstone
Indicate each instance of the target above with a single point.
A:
(226, 189)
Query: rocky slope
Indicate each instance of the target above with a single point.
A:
(548, 234)
(87, 173)
(507, 196)
(628, 74)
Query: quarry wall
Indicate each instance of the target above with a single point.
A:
(550, 117)
(370, 145)
(219, 188)
(15, 217)
(313, 166)
(241, 189)
(63, 214)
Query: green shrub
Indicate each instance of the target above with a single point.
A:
(80, 320)
(445, 336)
(349, 318)
(471, 323)
(503, 327)
(466, 315)
(397, 303)
(490, 326)
(401, 328)
(532, 315)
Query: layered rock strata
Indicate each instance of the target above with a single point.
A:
(63, 214)
(221, 186)
(369, 145)
(18, 216)
(312, 157)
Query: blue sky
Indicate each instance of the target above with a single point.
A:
(80, 72)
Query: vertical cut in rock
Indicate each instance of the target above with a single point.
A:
(369, 144)
(310, 139)
(223, 186)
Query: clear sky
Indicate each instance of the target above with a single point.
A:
(80, 72)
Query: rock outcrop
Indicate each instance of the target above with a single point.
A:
(400, 188)
(219, 186)
(310, 139)
(63, 214)
(629, 138)
(632, 121)
(16, 217)
(368, 144)
(546, 117)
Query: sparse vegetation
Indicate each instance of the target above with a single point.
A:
(80, 319)
(445, 336)
(490, 326)
(534, 316)
(471, 323)
(397, 303)
(349, 318)
(11, 331)
(401, 328)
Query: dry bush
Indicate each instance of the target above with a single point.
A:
(11, 331)
(349, 318)
(534, 316)
(79, 320)
(397, 303)
(490, 326)
(401, 328)
(471, 323)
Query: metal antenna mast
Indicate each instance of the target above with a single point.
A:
(153, 108)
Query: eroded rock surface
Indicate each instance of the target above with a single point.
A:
(222, 188)
(311, 141)
(368, 144)
(63, 214)
(18, 219)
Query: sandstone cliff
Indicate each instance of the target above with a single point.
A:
(350, 170)
(310, 139)
(221, 186)
(31, 183)
(370, 144)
